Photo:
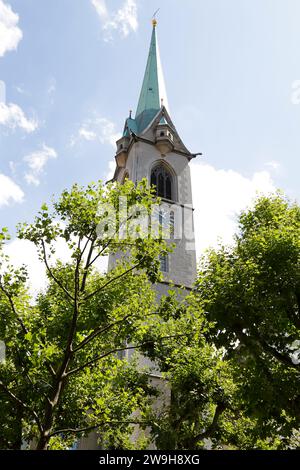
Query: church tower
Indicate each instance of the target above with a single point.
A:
(152, 148)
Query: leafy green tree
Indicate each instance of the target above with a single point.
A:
(233, 366)
(228, 352)
(200, 405)
(63, 376)
(251, 293)
(199, 387)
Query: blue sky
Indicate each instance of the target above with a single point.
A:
(73, 68)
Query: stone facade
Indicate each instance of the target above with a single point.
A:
(141, 155)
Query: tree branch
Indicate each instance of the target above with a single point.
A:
(113, 351)
(117, 278)
(87, 265)
(286, 360)
(220, 408)
(91, 262)
(97, 332)
(248, 341)
(103, 329)
(22, 404)
(106, 245)
(96, 426)
(98, 358)
(52, 274)
(11, 302)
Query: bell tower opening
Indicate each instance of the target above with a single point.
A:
(163, 181)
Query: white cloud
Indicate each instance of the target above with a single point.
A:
(2, 92)
(101, 8)
(31, 179)
(99, 128)
(123, 21)
(111, 170)
(22, 252)
(36, 162)
(20, 89)
(12, 116)
(86, 134)
(273, 165)
(12, 167)
(10, 33)
(107, 131)
(51, 89)
(218, 197)
(9, 191)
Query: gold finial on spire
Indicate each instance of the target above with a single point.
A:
(154, 20)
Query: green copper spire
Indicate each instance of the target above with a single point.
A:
(153, 93)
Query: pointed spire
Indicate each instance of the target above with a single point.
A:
(153, 89)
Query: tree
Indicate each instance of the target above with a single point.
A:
(228, 352)
(200, 404)
(199, 386)
(63, 377)
(251, 292)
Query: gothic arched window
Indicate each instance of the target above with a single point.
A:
(162, 180)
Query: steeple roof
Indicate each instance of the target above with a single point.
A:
(152, 110)
(153, 93)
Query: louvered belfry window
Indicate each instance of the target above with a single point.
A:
(162, 180)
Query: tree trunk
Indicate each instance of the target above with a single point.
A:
(47, 424)
(17, 443)
(43, 442)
